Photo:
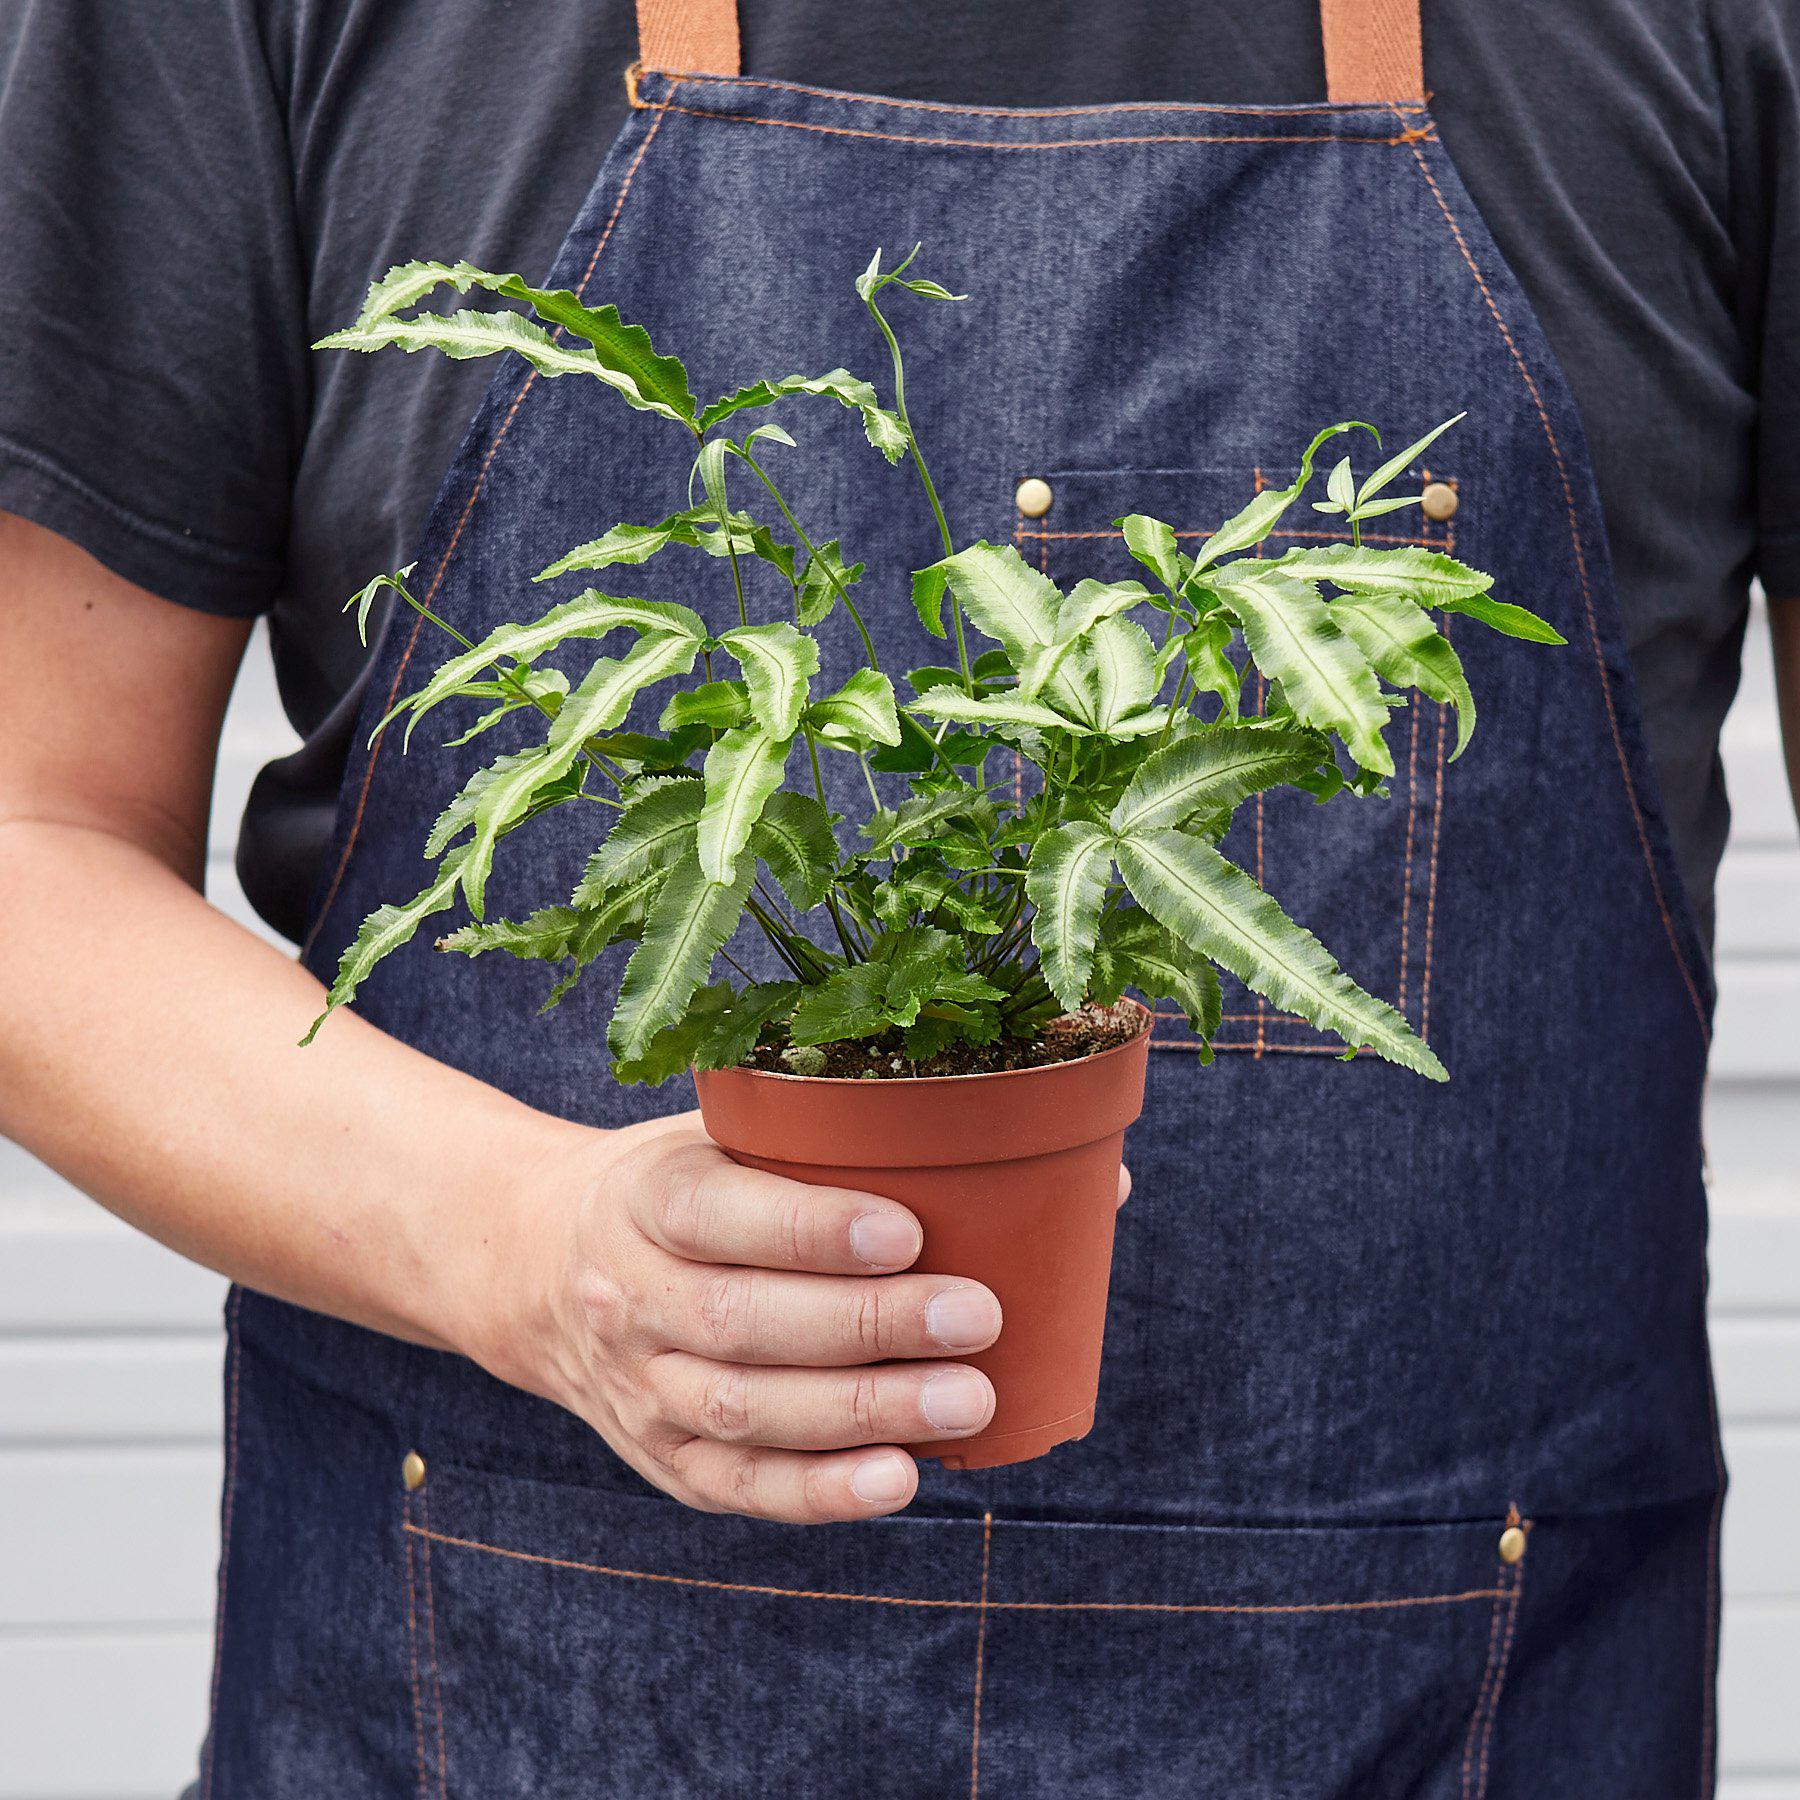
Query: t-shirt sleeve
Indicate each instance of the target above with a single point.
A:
(1758, 45)
(152, 327)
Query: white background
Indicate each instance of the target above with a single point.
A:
(110, 1356)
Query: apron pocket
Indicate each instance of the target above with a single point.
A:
(1361, 876)
(580, 1641)
(565, 1640)
(1292, 1663)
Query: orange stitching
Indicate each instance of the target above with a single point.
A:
(1487, 1730)
(437, 1683)
(487, 462)
(412, 1651)
(231, 1443)
(1437, 827)
(894, 137)
(1262, 697)
(1412, 808)
(1481, 1693)
(1587, 598)
(1048, 112)
(1018, 758)
(1396, 1603)
(1437, 820)
(987, 1535)
(1412, 804)
(1494, 1670)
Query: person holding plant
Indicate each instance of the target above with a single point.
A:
(1404, 1476)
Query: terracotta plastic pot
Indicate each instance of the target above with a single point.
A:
(1014, 1178)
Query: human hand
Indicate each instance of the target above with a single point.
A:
(748, 1343)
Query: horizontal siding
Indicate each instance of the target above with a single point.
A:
(110, 1360)
(112, 1715)
(85, 1387)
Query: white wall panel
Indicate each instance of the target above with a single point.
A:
(98, 1715)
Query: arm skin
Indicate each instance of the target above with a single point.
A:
(716, 1325)
(1784, 628)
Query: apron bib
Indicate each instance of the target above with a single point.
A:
(1406, 1477)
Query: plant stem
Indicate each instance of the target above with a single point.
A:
(773, 904)
(931, 494)
(737, 574)
(831, 905)
(786, 944)
(837, 587)
(1032, 992)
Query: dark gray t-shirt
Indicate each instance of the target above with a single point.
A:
(189, 197)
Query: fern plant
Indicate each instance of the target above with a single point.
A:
(968, 907)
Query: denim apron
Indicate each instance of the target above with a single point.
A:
(1406, 1476)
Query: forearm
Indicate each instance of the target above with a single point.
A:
(149, 1052)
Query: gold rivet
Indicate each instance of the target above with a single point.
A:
(1512, 1544)
(1033, 497)
(1439, 500)
(412, 1471)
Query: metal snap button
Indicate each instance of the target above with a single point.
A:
(1439, 500)
(1033, 497)
(412, 1471)
(1512, 1545)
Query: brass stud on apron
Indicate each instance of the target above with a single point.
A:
(1033, 496)
(412, 1471)
(1512, 1545)
(1439, 500)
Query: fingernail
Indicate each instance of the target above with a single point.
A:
(880, 1480)
(884, 1240)
(963, 1318)
(956, 1400)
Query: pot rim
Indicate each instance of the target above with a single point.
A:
(894, 1081)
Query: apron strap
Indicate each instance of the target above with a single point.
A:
(1371, 46)
(1371, 51)
(688, 37)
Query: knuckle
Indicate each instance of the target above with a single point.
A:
(687, 1484)
(605, 1306)
(818, 1499)
(725, 1405)
(796, 1227)
(740, 1482)
(726, 1307)
(865, 1403)
(870, 1322)
(663, 1448)
(679, 1207)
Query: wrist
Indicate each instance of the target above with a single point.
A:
(500, 1287)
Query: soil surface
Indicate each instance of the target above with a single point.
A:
(1076, 1034)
